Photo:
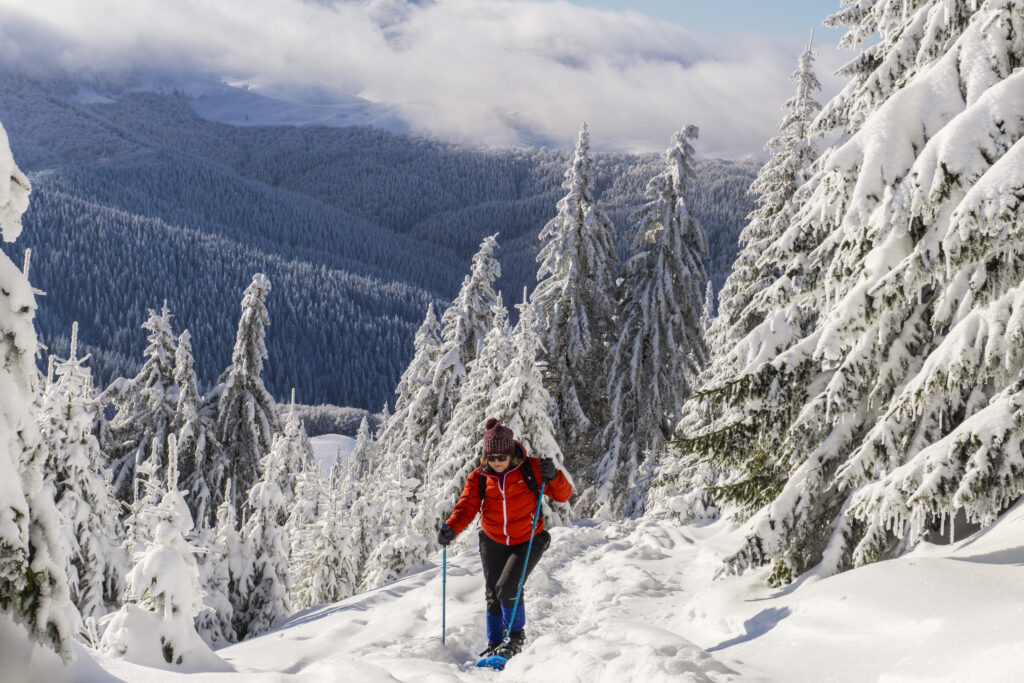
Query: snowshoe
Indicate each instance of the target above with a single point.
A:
(498, 658)
(492, 647)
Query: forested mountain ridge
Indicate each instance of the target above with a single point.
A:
(358, 230)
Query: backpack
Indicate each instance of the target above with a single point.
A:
(528, 476)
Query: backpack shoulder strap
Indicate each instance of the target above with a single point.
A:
(530, 478)
(482, 481)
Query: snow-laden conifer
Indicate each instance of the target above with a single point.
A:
(202, 462)
(768, 276)
(707, 314)
(221, 570)
(881, 385)
(354, 491)
(756, 267)
(575, 298)
(462, 442)
(156, 626)
(76, 470)
(415, 423)
(33, 584)
(246, 415)
(400, 548)
(660, 346)
(144, 406)
(328, 559)
(464, 324)
(521, 402)
(265, 534)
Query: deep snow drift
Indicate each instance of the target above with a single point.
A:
(619, 601)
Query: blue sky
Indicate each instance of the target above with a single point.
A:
(490, 72)
(769, 17)
(781, 18)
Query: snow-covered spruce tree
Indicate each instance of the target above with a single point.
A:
(246, 414)
(356, 499)
(156, 626)
(770, 276)
(521, 402)
(462, 442)
(303, 517)
(33, 585)
(405, 436)
(575, 297)
(221, 569)
(76, 471)
(660, 346)
(893, 402)
(202, 462)
(144, 406)
(464, 325)
(400, 547)
(707, 314)
(265, 534)
(792, 154)
(328, 559)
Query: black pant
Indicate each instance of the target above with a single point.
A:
(503, 565)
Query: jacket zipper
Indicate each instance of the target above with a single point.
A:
(505, 512)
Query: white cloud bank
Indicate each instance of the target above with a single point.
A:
(494, 72)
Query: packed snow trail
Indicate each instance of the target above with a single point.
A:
(638, 601)
(585, 622)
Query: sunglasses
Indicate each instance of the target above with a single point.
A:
(496, 458)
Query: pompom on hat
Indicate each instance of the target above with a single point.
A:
(498, 439)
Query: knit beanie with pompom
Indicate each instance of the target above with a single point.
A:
(498, 439)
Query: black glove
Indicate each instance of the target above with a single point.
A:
(548, 469)
(445, 535)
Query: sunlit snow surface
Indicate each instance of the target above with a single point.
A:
(330, 449)
(637, 601)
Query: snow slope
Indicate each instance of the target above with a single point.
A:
(331, 449)
(638, 601)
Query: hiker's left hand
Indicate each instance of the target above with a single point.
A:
(548, 469)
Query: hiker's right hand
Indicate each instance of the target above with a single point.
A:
(445, 535)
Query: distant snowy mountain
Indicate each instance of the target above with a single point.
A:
(137, 199)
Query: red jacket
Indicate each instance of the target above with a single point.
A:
(508, 509)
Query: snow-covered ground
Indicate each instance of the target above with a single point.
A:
(331, 449)
(638, 601)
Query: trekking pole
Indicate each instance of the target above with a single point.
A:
(526, 562)
(444, 586)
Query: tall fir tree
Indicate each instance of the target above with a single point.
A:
(355, 496)
(202, 462)
(157, 622)
(33, 584)
(144, 406)
(246, 414)
(461, 445)
(415, 424)
(76, 470)
(266, 537)
(327, 564)
(885, 385)
(660, 346)
(464, 325)
(757, 266)
(768, 277)
(521, 402)
(223, 570)
(575, 297)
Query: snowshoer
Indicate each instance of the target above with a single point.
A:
(504, 490)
